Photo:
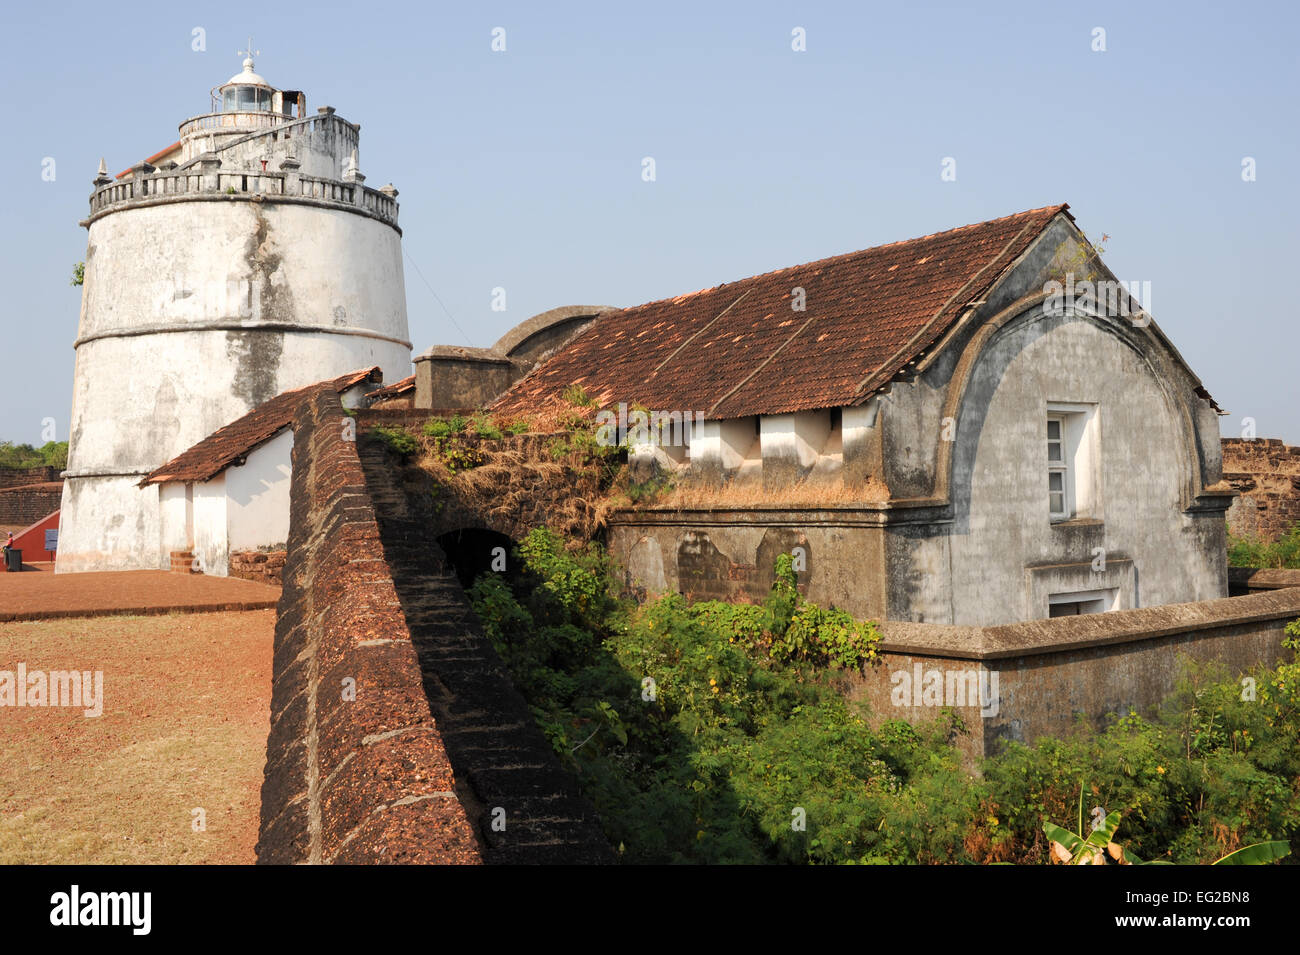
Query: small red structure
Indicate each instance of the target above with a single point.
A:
(31, 541)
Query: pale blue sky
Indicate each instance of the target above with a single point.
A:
(523, 169)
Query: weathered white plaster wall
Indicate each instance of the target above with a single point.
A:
(173, 342)
(799, 437)
(176, 517)
(211, 545)
(230, 258)
(258, 492)
(109, 523)
(322, 145)
(1001, 555)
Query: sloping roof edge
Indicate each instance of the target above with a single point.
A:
(614, 358)
(400, 387)
(234, 441)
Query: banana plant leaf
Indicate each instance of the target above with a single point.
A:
(1261, 853)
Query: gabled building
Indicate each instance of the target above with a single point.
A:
(230, 492)
(976, 427)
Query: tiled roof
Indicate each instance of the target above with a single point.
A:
(151, 159)
(20, 489)
(231, 444)
(401, 387)
(740, 349)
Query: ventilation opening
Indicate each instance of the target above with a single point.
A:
(1091, 601)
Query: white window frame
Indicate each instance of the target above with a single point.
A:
(1080, 466)
(1061, 467)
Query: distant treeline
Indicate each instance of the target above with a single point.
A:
(50, 454)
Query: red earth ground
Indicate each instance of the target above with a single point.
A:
(186, 709)
(38, 594)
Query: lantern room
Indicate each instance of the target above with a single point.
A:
(248, 92)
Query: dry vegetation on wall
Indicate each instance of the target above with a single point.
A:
(495, 467)
(686, 495)
(508, 476)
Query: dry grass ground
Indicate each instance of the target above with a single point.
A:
(186, 708)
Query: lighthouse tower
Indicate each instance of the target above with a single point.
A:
(245, 259)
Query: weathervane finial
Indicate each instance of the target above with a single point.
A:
(250, 52)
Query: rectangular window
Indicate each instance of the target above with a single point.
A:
(1073, 461)
(1089, 601)
(1058, 503)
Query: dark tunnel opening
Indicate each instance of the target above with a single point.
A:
(472, 551)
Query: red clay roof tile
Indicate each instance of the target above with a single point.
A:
(230, 444)
(402, 386)
(740, 349)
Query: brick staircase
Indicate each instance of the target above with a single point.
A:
(182, 562)
(500, 758)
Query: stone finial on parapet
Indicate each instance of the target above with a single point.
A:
(289, 165)
(102, 178)
(352, 173)
(389, 191)
(209, 167)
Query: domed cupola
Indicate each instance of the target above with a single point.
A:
(244, 104)
(246, 91)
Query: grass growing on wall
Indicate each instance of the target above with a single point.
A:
(719, 733)
(1283, 553)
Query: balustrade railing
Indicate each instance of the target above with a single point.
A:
(194, 180)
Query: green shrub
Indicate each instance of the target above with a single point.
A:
(397, 440)
(577, 395)
(485, 427)
(698, 743)
(437, 428)
(1284, 553)
(448, 445)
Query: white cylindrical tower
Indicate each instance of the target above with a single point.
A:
(246, 259)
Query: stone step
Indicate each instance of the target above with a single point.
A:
(183, 562)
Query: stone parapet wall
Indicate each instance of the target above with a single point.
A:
(356, 768)
(1051, 672)
(261, 566)
(528, 807)
(206, 178)
(16, 477)
(1266, 474)
(27, 504)
(1249, 580)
